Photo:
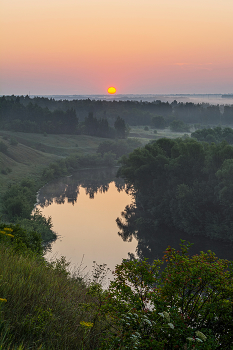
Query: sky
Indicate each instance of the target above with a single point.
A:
(138, 46)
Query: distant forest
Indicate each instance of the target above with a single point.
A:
(105, 118)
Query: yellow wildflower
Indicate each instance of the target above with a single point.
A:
(86, 324)
(3, 300)
(6, 234)
(8, 229)
(10, 235)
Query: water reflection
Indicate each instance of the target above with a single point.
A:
(152, 241)
(93, 180)
(84, 209)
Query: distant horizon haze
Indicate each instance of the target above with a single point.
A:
(211, 99)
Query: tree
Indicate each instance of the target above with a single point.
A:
(158, 122)
(179, 126)
(120, 127)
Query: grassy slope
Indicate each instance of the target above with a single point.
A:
(35, 151)
(43, 304)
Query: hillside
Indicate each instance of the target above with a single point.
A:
(34, 152)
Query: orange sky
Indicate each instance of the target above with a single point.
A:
(83, 47)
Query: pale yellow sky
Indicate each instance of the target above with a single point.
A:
(148, 46)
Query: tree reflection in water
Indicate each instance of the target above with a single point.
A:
(135, 221)
(152, 241)
(67, 188)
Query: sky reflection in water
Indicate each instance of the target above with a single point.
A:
(86, 225)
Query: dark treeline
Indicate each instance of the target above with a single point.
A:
(33, 118)
(179, 185)
(28, 109)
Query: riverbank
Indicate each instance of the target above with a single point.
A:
(25, 167)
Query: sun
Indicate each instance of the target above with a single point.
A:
(111, 90)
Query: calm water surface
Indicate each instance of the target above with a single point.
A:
(84, 209)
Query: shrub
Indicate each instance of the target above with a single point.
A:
(6, 171)
(38, 223)
(20, 240)
(3, 147)
(179, 126)
(158, 122)
(18, 201)
(188, 303)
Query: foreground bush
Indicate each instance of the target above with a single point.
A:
(187, 305)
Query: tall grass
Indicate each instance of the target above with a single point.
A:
(44, 304)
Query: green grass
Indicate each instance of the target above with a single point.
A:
(34, 152)
(145, 136)
(44, 304)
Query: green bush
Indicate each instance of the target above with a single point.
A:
(18, 200)
(20, 240)
(38, 223)
(3, 147)
(188, 303)
(158, 122)
(6, 171)
(179, 126)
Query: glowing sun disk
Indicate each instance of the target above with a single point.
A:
(111, 90)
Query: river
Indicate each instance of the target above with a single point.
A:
(84, 209)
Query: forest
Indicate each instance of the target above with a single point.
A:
(33, 118)
(105, 118)
(178, 185)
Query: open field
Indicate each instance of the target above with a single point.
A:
(35, 151)
(143, 135)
